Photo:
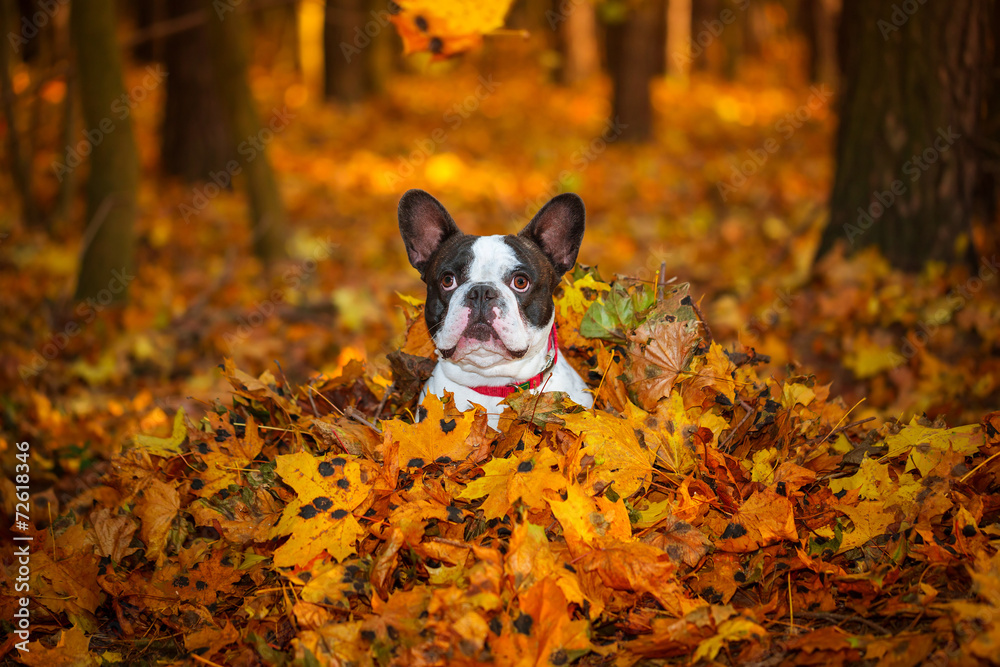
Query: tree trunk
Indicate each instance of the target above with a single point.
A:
(578, 41)
(679, 38)
(907, 160)
(349, 53)
(147, 13)
(19, 163)
(818, 23)
(195, 138)
(228, 35)
(113, 178)
(633, 58)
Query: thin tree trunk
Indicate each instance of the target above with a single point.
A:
(348, 51)
(113, 178)
(195, 138)
(679, 38)
(907, 160)
(267, 214)
(633, 58)
(20, 166)
(578, 35)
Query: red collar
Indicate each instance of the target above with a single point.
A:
(503, 391)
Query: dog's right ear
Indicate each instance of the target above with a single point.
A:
(424, 225)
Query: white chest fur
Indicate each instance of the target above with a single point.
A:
(562, 377)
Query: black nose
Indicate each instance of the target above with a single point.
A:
(481, 298)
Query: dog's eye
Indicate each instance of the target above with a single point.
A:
(448, 282)
(520, 283)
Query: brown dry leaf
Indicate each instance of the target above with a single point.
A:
(682, 541)
(113, 533)
(633, 566)
(212, 639)
(658, 353)
(71, 650)
(157, 508)
(765, 518)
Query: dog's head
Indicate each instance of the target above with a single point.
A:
(489, 298)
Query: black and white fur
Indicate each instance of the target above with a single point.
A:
(489, 302)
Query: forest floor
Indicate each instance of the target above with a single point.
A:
(729, 196)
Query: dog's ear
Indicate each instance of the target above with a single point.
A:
(424, 225)
(558, 230)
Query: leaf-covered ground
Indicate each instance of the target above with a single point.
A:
(722, 503)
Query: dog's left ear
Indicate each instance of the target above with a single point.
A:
(558, 230)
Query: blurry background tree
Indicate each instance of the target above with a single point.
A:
(635, 53)
(228, 35)
(909, 150)
(18, 154)
(356, 63)
(195, 137)
(113, 180)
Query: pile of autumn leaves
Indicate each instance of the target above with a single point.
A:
(699, 513)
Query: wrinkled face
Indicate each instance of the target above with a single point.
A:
(489, 298)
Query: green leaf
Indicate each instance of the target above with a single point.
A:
(618, 313)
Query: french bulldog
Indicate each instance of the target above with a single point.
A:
(489, 307)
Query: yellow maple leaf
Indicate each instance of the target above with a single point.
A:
(730, 630)
(925, 446)
(526, 476)
(573, 298)
(320, 517)
(531, 558)
(870, 519)
(447, 27)
(587, 519)
(872, 481)
(618, 458)
(442, 433)
(796, 394)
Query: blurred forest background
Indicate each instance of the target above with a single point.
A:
(188, 180)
